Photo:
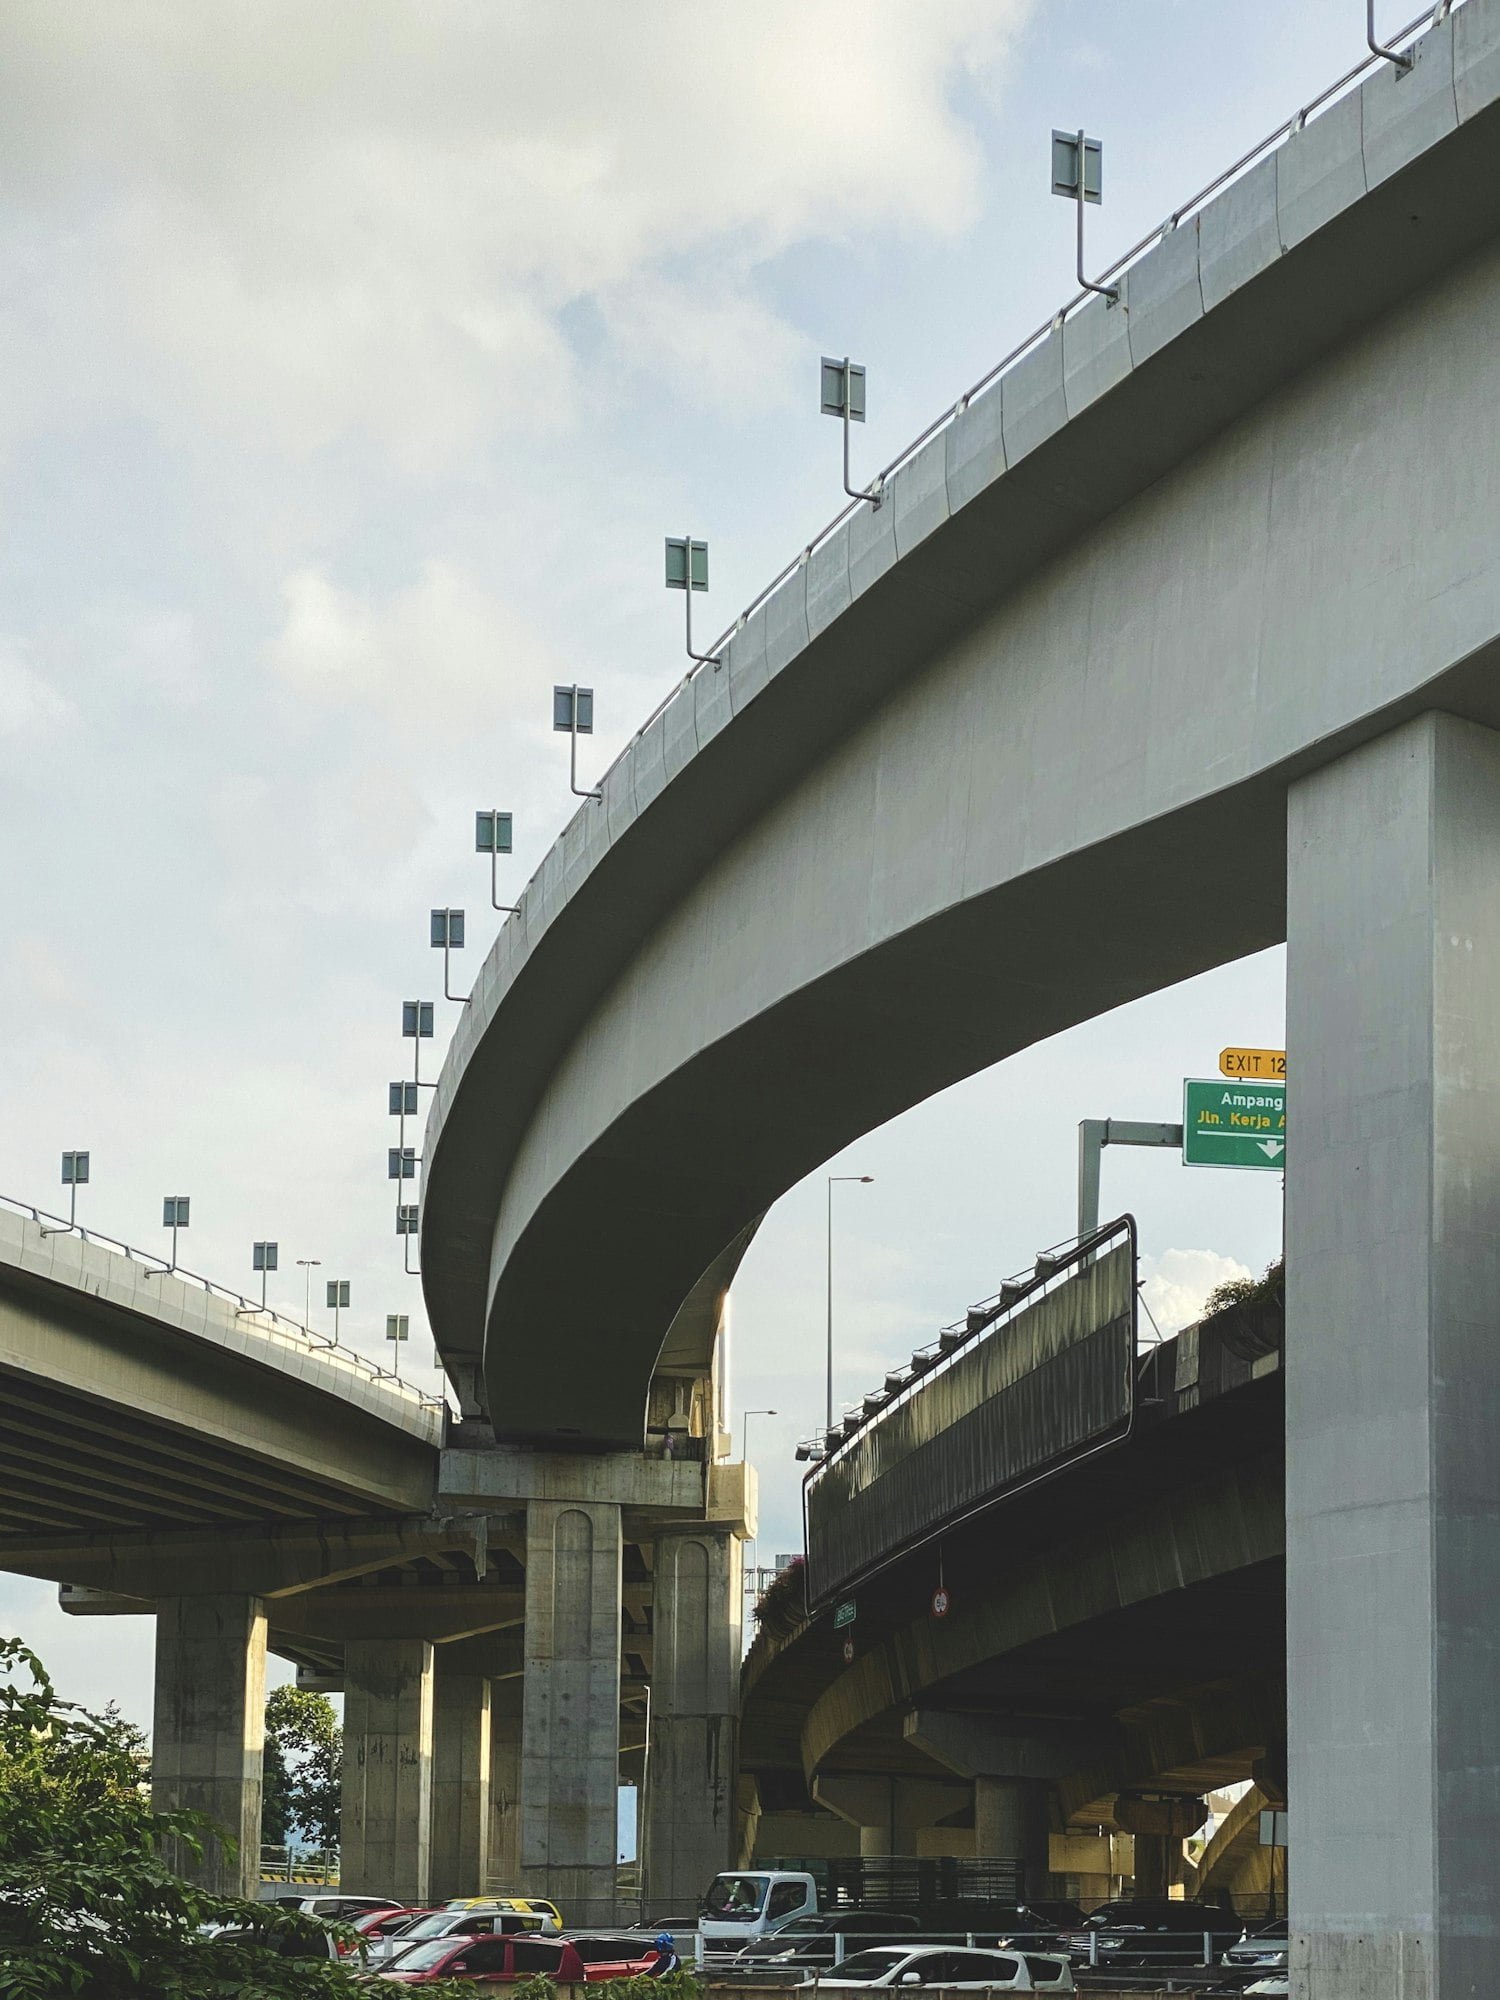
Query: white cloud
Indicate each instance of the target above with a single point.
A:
(287, 224)
(1178, 1281)
(30, 705)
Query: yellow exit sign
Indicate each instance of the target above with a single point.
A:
(1264, 1065)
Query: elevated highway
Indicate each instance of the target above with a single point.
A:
(1178, 640)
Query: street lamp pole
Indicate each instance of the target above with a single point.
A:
(864, 1181)
(307, 1265)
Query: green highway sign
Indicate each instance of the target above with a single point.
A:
(1233, 1124)
(844, 1615)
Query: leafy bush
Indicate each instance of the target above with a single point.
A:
(1247, 1291)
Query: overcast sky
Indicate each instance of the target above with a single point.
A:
(356, 359)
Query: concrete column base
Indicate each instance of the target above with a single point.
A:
(505, 1787)
(460, 1784)
(388, 1706)
(1013, 1822)
(570, 1730)
(209, 1730)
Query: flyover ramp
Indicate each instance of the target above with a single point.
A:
(133, 1400)
(1003, 753)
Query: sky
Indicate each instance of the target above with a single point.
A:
(357, 359)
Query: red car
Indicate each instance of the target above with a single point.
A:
(377, 1924)
(496, 1961)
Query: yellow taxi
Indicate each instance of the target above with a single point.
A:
(548, 1917)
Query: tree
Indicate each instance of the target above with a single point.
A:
(88, 1906)
(304, 1765)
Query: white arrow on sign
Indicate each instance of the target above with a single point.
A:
(1271, 1147)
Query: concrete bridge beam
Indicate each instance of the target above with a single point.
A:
(1392, 1369)
(388, 1748)
(889, 1811)
(571, 1706)
(209, 1729)
(693, 1761)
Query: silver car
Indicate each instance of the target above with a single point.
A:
(1014, 1971)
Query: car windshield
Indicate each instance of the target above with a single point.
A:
(736, 1895)
(800, 1927)
(439, 1924)
(422, 1957)
(869, 1964)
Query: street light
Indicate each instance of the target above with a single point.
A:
(745, 1428)
(863, 1180)
(402, 1103)
(397, 1329)
(263, 1258)
(492, 834)
(174, 1216)
(573, 713)
(416, 1025)
(407, 1217)
(687, 571)
(307, 1265)
(401, 1163)
(448, 936)
(1078, 176)
(338, 1299)
(843, 396)
(75, 1174)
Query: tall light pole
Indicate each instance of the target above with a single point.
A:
(745, 1446)
(864, 1180)
(307, 1265)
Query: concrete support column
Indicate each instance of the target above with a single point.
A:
(889, 1811)
(505, 1786)
(693, 1753)
(460, 1784)
(570, 1729)
(209, 1729)
(1393, 1366)
(388, 1710)
(1013, 1822)
(1160, 1864)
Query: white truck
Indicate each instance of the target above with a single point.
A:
(748, 1903)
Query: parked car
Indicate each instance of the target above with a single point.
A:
(330, 1905)
(949, 1965)
(500, 1960)
(430, 1925)
(377, 1926)
(1265, 1949)
(284, 1943)
(809, 1941)
(550, 1925)
(1138, 1932)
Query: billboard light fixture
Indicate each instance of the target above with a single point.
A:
(687, 571)
(573, 714)
(842, 395)
(416, 1026)
(263, 1258)
(492, 836)
(337, 1296)
(448, 937)
(75, 1174)
(174, 1216)
(1078, 176)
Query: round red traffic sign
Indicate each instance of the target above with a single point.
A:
(940, 1603)
(848, 1652)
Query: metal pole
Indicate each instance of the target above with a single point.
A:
(510, 909)
(1402, 62)
(578, 791)
(828, 1406)
(1110, 292)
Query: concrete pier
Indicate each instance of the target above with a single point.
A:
(388, 1729)
(692, 1759)
(571, 1707)
(1393, 1367)
(460, 1783)
(208, 1729)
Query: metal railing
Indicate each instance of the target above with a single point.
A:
(1429, 16)
(291, 1331)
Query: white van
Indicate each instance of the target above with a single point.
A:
(749, 1903)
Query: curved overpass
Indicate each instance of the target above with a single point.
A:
(1004, 752)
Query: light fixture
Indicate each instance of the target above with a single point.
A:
(397, 1329)
(1048, 1264)
(174, 1216)
(1078, 176)
(263, 1258)
(1012, 1290)
(75, 1174)
(307, 1265)
(492, 835)
(687, 571)
(842, 395)
(407, 1221)
(573, 713)
(447, 937)
(416, 1025)
(338, 1299)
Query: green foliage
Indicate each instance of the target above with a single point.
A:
(303, 1767)
(88, 1905)
(1247, 1291)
